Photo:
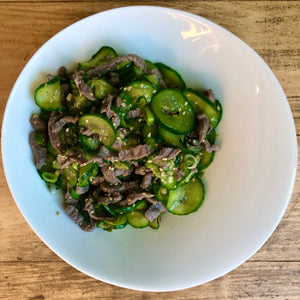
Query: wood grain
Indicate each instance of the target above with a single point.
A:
(30, 270)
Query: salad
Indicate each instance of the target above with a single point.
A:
(124, 139)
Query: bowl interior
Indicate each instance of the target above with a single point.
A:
(247, 186)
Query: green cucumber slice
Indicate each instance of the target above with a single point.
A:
(138, 89)
(100, 125)
(187, 198)
(70, 175)
(202, 104)
(171, 77)
(171, 138)
(102, 87)
(87, 173)
(137, 219)
(100, 57)
(173, 111)
(47, 95)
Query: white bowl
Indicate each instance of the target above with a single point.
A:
(248, 185)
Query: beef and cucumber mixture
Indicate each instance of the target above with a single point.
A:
(124, 139)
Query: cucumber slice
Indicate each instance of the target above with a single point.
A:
(70, 175)
(47, 95)
(87, 173)
(171, 138)
(206, 160)
(171, 77)
(162, 194)
(202, 104)
(155, 223)
(118, 223)
(88, 143)
(187, 198)
(164, 170)
(173, 111)
(102, 88)
(138, 89)
(100, 57)
(100, 125)
(137, 219)
(151, 136)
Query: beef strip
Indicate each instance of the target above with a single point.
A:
(118, 102)
(114, 78)
(109, 174)
(82, 190)
(37, 123)
(68, 198)
(179, 174)
(76, 154)
(98, 180)
(50, 77)
(112, 199)
(146, 182)
(39, 153)
(159, 77)
(167, 153)
(134, 197)
(210, 95)
(65, 89)
(208, 147)
(121, 188)
(122, 172)
(134, 113)
(204, 127)
(112, 66)
(106, 104)
(60, 123)
(154, 211)
(83, 88)
(136, 152)
(62, 71)
(73, 213)
(142, 170)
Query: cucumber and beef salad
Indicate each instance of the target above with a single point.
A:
(124, 139)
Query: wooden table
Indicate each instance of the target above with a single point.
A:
(29, 270)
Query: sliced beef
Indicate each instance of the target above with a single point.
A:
(73, 213)
(82, 190)
(115, 120)
(65, 89)
(39, 153)
(98, 180)
(167, 153)
(208, 147)
(179, 174)
(155, 210)
(68, 198)
(106, 104)
(210, 95)
(112, 65)
(121, 188)
(159, 77)
(112, 199)
(84, 89)
(109, 174)
(142, 170)
(136, 152)
(37, 123)
(134, 113)
(96, 159)
(61, 122)
(53, 134)
(203, 127)
(50, 77)
(118, 102)
(114, 78)
(134, 197)
(122, 172)
(75, 154)
(62, 71)
(146, 182)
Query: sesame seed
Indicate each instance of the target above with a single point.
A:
(164, 158)
(183, 113)
(185, 103)
(179, 109)
(68, 129)
(149, 134)
(86, 121)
